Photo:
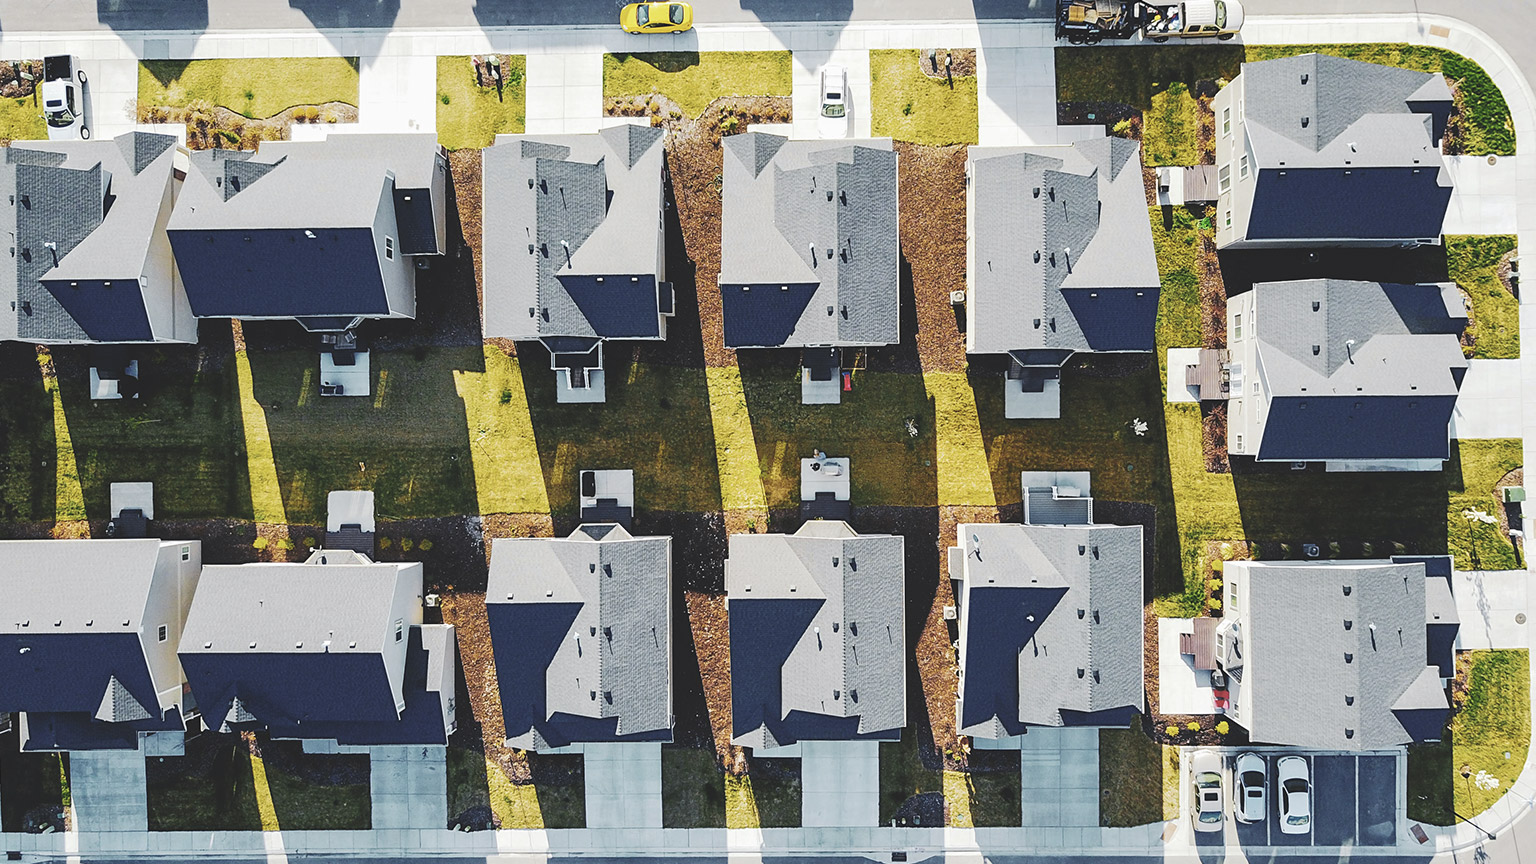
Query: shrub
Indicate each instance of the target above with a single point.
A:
(1123, 126)
(259, 543)
(425, 545)
(1367, 549)
(1226, 551)
(285, 544)
(906, 110)
(1172, 730)
(1214, 604)
(384, 542)
(1285, 550)
(1213, 585)
(406, 543)
(309, 542)
(1223, 727)
(1218, 565)
(1333, 550)
(506, 396)
(1193, 726)
(445, 97)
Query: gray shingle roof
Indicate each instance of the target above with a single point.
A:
(599, 193)
(1082, 210)
(1353, 111)
(605, 657)
(1051, 633)
(817, 629)
(836, 197)
(1328, 670)
(280, 606)
(74, 581)
(99, 204)
(1331, 336)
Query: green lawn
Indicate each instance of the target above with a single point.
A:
(225, 797)
(1171, 127)
(1494, 720)
(1135, 75)
(251, 86)
(1487, 126)
(994, 794)
(555, 799)
(910, 106)
(22, 119)
(694, 79)
(692, 788)
(775, 792)
(1132, 778)
(902, 775)
(1474, 265)
(469, 115)
(1470, 475)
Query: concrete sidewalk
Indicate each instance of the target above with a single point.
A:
(1489, 405)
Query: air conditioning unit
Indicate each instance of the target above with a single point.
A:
(1310, 550)
(957, 298)
(951, 613)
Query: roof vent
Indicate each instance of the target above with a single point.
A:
(1095, 676)
(1037, 323)
(1349, 733)
(299, 644)
(253, 645)
(1082, 550)
(1316, 305)
(1037, 191)
(1348, 624)
(1081, 671)
(1303, 78)
(1348, 657)
(834, 560)
(829, 194)
(1353, 148)
(1349, 700)
(1305, 121)
(1081, 613)
(1347, 589)
(1316, 350)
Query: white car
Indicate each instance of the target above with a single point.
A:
(64, 97)
(1294, 778)
(1205, 771)
(1249, 802)
(833, 122)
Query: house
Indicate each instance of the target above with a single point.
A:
(1360, 375)
(1338, 655)
(89, 642)
(1316, 150)
(818, 637)
(328, 233)
(581, 632)
(331, 652)
(1050, 615)
(571, 259)
(810, 250)
(1059, 261)
(91, 262)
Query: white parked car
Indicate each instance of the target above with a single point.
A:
(1294, 777)
(64, 97)
(1249, 801)
(833, 122)
(1209, 808)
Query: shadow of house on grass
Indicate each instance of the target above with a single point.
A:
(890, 467)
(656, 421)
(408, 441)
(28, 478)
(1102, 396)
(181, 432)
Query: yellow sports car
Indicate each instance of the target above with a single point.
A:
(656, 18)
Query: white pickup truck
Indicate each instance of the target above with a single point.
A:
(1087, 22)
(64, 97)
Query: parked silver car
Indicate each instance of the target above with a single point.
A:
(1209, 806)
(1250, 800)
(833, 122)
(1294, 776)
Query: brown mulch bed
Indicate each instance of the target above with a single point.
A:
(932, 191)
(1213, 437)
(12, 86)
(1213, 294)
(936, 62)
(1468, 339)
(710, 626)
(1205, 133)
(1514, 478)
(1507, 276)
(464, 166)
(214, 126)
(695, 161)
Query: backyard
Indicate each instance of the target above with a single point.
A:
(910, 105)
(475, 104)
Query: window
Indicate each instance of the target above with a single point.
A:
(389, 248)
(164, 633)
(186, 553)
(399, 630)
(1242, 166)
(1228, 218)
(1239, 442)
(1224, 177)
(1255, 388)
(1232, 598)
(1237, 326)
(1226, 121)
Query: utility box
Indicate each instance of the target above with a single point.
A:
(1514, 494)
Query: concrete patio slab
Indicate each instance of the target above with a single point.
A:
(1180, 688)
